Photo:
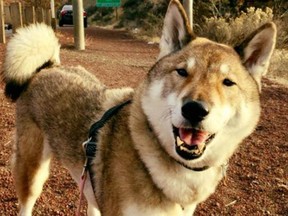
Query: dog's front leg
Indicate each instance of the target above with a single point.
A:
(188, 210)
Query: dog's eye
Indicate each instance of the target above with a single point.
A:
(182, 72)
(228, 82)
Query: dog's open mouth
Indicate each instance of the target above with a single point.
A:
(191, 143)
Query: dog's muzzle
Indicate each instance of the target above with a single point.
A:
(191, 143)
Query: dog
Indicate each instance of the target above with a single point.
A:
(163, 153)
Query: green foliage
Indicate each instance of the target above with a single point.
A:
(100, 16)
(136, 10)
(147, 15)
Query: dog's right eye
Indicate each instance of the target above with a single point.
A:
(228, 82)
(182, 72)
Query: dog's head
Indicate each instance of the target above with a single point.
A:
(202, 97)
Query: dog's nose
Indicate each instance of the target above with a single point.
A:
(195, 111)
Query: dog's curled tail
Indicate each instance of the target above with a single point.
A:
(31, 49)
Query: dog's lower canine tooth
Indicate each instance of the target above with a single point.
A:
(179, 141)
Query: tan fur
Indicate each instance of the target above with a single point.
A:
(141, 167)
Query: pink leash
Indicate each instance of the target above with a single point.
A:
(81, 187)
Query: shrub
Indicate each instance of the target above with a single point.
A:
(279, 65)
(282, 27)
(233, 30)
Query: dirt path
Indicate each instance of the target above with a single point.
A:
(257, 177)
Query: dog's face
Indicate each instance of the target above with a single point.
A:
(203, 97)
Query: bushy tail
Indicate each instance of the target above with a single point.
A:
(29, 50)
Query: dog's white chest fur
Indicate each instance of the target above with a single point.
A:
(133, 209)
(185, 186)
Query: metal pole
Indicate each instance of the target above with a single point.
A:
(78, 21)
(188, 5)
(53, 18)
(2, 23)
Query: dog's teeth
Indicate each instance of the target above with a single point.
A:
(201, 147)
(179, 141)
(182, 148)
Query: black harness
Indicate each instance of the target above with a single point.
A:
(90, 146)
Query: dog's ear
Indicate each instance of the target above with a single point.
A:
(176, 30)
(256, 50)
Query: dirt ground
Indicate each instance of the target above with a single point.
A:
(257, 176)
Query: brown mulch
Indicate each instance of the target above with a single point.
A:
(257, 177)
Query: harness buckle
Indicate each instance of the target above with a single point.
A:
(90, 148)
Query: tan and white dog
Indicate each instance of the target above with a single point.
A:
(161, 155)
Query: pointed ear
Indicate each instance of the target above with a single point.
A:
(256, 50)
(176, 30)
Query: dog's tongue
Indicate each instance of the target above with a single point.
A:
(192, 137)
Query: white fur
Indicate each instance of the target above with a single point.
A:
(132, 209)
(182, 185)
(39, 178)
(189, 210)
(26, 54)
(191, 63)
(224, 68)
(160, 119)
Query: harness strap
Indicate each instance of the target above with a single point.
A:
(107, 115)
(90, 147)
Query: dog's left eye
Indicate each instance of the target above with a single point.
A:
(228, 82)
(182, 72)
